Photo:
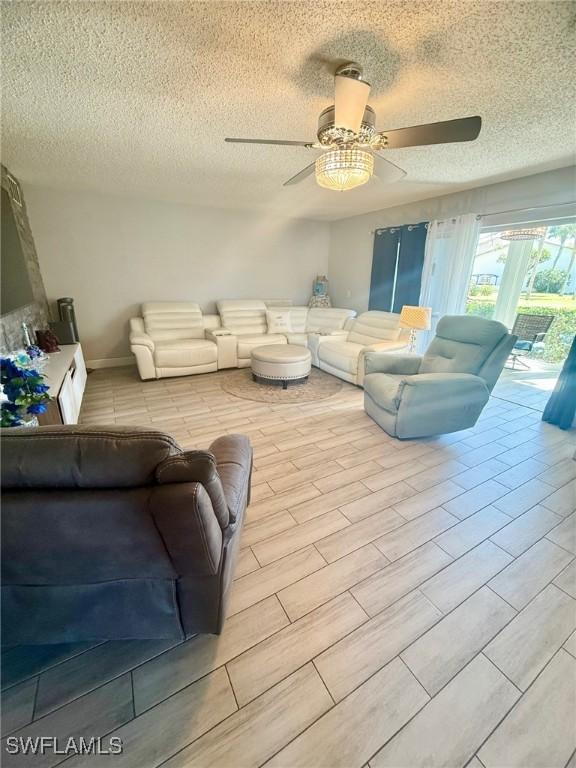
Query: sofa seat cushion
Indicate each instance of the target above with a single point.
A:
(383, 389)
(342, 355)
(248, 342)
(185, 353)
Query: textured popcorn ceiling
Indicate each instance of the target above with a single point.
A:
(135, 98)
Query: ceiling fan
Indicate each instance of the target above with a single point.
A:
(347, 131)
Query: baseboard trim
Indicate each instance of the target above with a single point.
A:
(110, 362)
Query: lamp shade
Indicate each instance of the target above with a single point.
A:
(418, 318)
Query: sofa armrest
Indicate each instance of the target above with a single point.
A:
(227, 344)
(233, 456)
(443, 386)
(391, 363)
(196, 467)
(141, 340)
(142, 346)
(138, 334)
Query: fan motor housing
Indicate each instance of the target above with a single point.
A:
(328, 134)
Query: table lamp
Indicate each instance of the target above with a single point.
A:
(417, 319)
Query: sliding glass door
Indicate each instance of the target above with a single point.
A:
(525, 277)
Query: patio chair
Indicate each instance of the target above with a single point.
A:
(531, 330)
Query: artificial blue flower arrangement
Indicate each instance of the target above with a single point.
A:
(24, 390)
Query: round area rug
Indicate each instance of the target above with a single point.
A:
(319, 386)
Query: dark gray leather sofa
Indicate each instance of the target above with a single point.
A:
(116, 533)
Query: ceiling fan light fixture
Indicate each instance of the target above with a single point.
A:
(344, 169)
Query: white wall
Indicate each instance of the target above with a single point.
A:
(351, 240)
(110, 254)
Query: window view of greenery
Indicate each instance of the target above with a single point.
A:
(548, 285)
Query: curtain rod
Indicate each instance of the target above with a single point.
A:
(481, 215)
(530, 208)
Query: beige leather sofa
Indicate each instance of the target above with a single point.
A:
(342, 353)
(170, 339)
(176, 339)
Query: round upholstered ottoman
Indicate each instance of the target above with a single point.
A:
(281, 363)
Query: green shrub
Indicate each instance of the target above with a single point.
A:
(486, 290)
(481, 290)
(558, 339)
(550, 281)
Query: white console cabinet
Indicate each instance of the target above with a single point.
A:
(65, 374)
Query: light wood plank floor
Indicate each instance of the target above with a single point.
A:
(396, 603)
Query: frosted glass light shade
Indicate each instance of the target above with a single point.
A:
(344, 169)
(418, 318)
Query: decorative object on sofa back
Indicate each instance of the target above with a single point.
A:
(320, 297)
(446, 389)
(116, 533)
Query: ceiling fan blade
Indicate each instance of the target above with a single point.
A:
(385, 171)
(270, 141)
(445, 132)
(300, 176)
(350, 99)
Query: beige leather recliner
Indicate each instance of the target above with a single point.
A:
(170, 340)
(343, 352)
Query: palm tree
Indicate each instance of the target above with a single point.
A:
(562, 231)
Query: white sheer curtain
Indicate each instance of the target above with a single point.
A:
(448, 261)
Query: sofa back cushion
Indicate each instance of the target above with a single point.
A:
(463, 343)
(374, 326)
(62, 457)
(327, 319)
(298, 317)
(171, 320)
(243, 316)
